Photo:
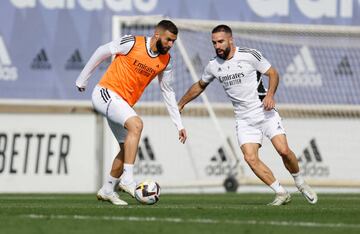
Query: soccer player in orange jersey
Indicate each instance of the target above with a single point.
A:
(138, 60)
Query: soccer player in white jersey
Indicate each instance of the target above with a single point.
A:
(238, 70)
(138, 60)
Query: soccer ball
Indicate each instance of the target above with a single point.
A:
(147, 192)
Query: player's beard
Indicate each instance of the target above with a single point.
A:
(160, 48)
(225, 53)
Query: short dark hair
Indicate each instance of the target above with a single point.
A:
(222, 28)
(168, 25)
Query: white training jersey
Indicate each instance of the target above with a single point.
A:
(241, 78)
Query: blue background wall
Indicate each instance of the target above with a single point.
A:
(49, 41)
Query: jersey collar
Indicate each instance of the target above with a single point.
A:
(150, 52)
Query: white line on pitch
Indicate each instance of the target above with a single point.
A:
(201, 221)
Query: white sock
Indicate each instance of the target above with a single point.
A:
(128, 174)
(276, 186)
(299, 180)
(110, 184)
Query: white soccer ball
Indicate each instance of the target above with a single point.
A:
(147, 192)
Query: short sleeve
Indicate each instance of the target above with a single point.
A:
(207, 75)
(260, 63)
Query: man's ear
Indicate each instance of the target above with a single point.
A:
(231, 40)
(157, 33)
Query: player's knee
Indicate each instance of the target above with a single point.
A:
(138, 126)
(135, 125)
(251, 159)
(284, 151)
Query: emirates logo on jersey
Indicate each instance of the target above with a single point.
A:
(143, 69)
(231, 79)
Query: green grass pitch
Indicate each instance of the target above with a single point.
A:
(178, 213)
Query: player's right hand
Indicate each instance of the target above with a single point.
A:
(80, 89)
(80, 84)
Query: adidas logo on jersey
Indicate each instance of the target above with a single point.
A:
(344, 68)
(146, 161)
(75, 62)
(302, 71)
(7, 71)
(41, 61)
(219, 164)
(311, 161)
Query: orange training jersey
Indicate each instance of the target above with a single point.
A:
(128, 75)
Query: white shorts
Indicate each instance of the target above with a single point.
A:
(252, 130)
(114, 108)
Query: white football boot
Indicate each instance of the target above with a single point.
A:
(281, 199)
(128, 188)
(308, 193)
(113, 197)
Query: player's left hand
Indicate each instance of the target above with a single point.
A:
(269, 102)
(182, 135)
